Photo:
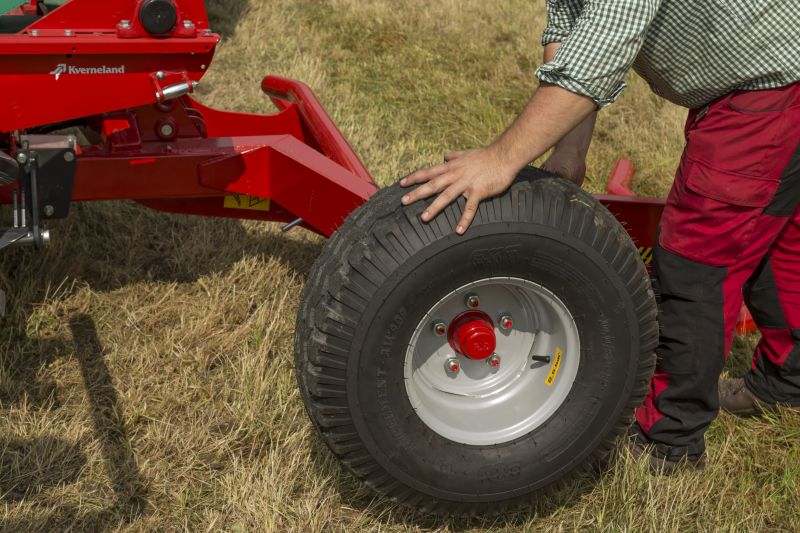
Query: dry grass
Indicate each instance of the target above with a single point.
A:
(146, 375)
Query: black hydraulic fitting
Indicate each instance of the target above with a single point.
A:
(158, 16)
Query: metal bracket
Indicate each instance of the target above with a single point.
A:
(55, 169)
(47, 167)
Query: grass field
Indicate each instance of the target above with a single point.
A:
(146, 366)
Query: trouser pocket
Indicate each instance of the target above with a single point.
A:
(711, 214)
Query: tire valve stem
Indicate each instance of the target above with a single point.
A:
(541, 358)
(493, 361)
(452, 365)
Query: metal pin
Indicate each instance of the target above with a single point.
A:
(292, 224)
(22, 211)
(15, 207)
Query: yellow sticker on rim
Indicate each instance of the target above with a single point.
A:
(245, 201)
(551, 377)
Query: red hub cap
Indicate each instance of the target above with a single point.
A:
(472, 335)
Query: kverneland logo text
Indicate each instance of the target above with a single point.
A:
(63, 68)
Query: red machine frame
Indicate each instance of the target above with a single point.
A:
(89, 63)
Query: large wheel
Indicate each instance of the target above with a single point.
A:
(470, 374)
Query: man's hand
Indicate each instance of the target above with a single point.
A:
(474, 174)
(478, 174)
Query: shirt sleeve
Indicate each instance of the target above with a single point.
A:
(561, 17)
(598, 47)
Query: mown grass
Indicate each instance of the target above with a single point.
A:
(146, 373)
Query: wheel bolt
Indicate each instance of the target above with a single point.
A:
(472, 301)
(493, 361)
(506, 322)
(439, 329)
(452, 365)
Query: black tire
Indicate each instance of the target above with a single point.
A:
(379, 274)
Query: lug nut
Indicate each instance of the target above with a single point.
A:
(49, 210)
(506, 322)
(439, 329)
(493, 361)
(452, 365)
(472, 301)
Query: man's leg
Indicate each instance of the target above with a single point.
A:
(773, 295)
(739, 169)
(698, 308)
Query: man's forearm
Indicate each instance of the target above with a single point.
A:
(574, 144)
(550, 115)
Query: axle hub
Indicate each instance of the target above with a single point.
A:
(472, 334)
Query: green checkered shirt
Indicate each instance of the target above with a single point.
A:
(690, 51)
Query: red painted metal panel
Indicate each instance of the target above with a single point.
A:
(640, 216)
(46, 100)
(48, 76)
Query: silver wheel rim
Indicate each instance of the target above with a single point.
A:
(481, 405)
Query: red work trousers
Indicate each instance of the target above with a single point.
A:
(730, 230)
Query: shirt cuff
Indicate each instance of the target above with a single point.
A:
(553, 35)
(554, 73)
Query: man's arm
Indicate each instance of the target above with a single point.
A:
(587, 70)
(551, 113)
